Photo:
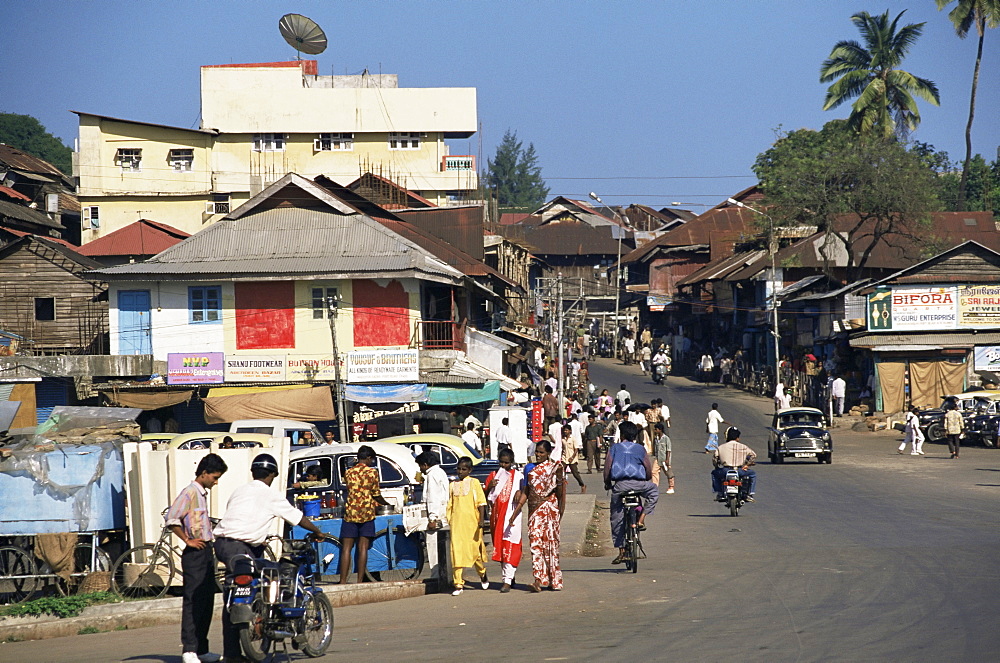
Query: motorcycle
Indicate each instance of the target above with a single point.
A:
(734, 492)
(660, 373)
(271, 602)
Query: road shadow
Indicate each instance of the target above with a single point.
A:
(987, 469)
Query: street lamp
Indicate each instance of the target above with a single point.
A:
(772, 248)
(618, 265)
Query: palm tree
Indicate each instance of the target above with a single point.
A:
(885, 104)
(983, 14)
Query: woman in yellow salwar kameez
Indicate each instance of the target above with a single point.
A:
(466, 514)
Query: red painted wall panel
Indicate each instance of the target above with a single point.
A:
(265, 315)
(381, 315)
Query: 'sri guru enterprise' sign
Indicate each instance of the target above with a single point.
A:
(383, 366)
(919, 308)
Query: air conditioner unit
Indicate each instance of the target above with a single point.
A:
(210, 207)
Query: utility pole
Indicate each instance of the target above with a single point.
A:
(561, 365)
(332, 308)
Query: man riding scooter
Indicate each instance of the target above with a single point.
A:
(661, 366)
(734, 454)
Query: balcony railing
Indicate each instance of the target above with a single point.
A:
(458, 162)
(439, 335)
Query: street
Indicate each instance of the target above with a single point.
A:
(875, 557)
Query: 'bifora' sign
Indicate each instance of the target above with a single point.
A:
(918, 308)
(194, 368)
(383, 366)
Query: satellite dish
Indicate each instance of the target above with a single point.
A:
(303, 34)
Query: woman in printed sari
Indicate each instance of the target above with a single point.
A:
(544, 489)
(502, 493)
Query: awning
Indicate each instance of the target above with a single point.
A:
(312, 404)
(463, 395)
(955, 339)
(463, 368)
(220, 392)
(148, 400)
(386, 393)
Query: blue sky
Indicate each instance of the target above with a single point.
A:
(649, 102)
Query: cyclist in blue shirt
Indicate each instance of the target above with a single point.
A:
(628, 468)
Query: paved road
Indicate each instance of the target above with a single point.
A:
(875, 557)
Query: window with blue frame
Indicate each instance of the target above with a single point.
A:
(205, 304)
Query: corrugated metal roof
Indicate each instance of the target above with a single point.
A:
(728, 222)
(50, 243)
(27, 214)
(719, 268)
(290, 240)
(20, 160)
(7, 191)
(142, 238)
(57, 240)
(800, 284)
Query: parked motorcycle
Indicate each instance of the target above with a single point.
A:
(734, 492)
(271, 602)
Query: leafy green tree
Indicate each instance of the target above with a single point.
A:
(983, 14)
(885, 104)
(514, 176)
(26, 133)
(819, 177)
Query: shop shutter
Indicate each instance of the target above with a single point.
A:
(48, 394)
(190, 417)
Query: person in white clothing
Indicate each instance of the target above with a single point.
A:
(838, 391)
(555, 434)
(502, 435)
(436, 499)
(913, 434)
(577, 433)
(472, 440)
(622, 396)
(712, 422)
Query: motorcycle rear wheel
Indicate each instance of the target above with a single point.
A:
(254, 643)
(734, 507)
(318, 625)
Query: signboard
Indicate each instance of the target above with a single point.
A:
(255, 368)
(383, 366)
(987, 358)
(195, 368)
(658, 302)
(913, 309)
(978, 306)
(310, 367)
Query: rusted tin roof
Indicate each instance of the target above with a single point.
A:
(142, 238)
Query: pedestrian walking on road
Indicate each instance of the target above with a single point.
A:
(363, 493)
(436, 500)
(712, 422)
(623, 397)
(466, 514)
(913, 434)
(661, 456)
(570, 455)
(593, 435)
(953, 425)
(502, 487)
(838, 391)
(544, 491)
(188, 520)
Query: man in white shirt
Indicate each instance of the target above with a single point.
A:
(577, 433)
(664, 412)
(629, 350)
(245, 525)
(555, 434)
(622, 396)
(838, 390)
(436, 499)
(472, 440)
(501, 436)
(712, 422)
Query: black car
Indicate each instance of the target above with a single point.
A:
(799, 432)
(974, 407)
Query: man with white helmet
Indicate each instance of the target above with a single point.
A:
(245, 525)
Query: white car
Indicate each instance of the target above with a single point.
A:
(397, 469)
(294, 430)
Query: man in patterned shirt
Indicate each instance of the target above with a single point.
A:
(359, 515)
(188, 519)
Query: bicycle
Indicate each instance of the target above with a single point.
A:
(148, 570)
(632, 504)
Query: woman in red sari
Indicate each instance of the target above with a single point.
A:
(502, 491)
(544, 490)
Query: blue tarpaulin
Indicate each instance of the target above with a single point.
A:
(386, 393)
(464, 395)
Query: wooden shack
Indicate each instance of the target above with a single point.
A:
(44, 299)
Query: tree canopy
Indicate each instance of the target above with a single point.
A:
(514, 176)
(870, 72)
(26, 133)
(875, 190)
(967, 13)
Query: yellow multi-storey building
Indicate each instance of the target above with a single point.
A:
(261, 121)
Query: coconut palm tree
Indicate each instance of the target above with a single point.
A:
(885, 105)
(983, 14)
